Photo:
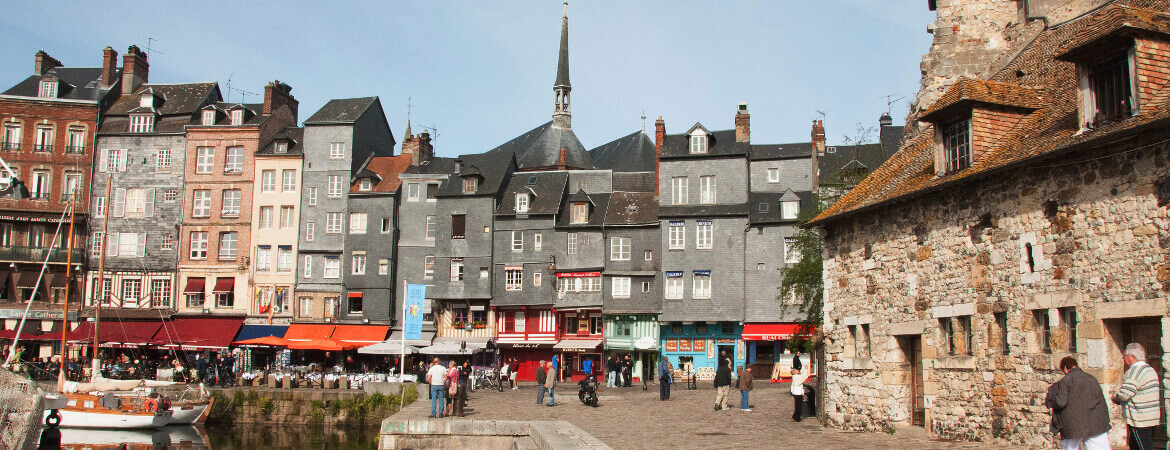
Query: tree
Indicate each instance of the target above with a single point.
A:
(804, 280)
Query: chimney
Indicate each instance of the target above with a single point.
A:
(276, 95)
(561, 162)
(743, 129)
(659, 136)
(135, 70)
(45, 63)
(425, 150)
(109, 67)
(818, 144)
(410, 147)
(885, 120)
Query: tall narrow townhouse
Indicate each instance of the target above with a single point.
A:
(703, 213)
(339, 138)
(276, 221)
(464, 220)
(370, 245)
(48, 122)
(141, 153)
(215, 266)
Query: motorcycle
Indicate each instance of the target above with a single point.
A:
(588, 391)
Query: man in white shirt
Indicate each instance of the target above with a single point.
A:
(435, 377)
(797, 389)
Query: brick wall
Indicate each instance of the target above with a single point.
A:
(990, 125)
(1153, 67)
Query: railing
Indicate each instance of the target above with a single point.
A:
(10, 146)
(37, 254)
(77, 149)
(43, 148)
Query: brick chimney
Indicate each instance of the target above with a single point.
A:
(276, 95)
(45, 63)
(743, 129)
(659, 136)
(818, 144)
(135, 70)
(561, 162)
(410, 146)
(109, 66)
(425, 150)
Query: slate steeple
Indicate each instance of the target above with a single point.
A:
(561, 112)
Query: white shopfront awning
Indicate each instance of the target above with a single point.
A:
(578, 344)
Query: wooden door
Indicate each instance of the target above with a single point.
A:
(1148, 332)
(913, 348)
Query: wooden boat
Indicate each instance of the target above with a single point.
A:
(191, 412)
(109, 412)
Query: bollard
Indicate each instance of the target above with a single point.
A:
(51, 435)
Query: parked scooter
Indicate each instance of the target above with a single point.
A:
(588, 391)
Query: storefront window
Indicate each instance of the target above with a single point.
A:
(595, 325)
(676, 328)
(571, 324)
(700, 328)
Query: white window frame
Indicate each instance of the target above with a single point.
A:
(571, 244)
(162, 160)
(198, 248)
(334, 187)
(677, 236)
(704, 234)
(263, 258)
(288, 180)
(707, 189)
(359, 264)
(332, 268)
(141, 123)
(333, 223)
(357, 222)
(698, 143)
(517, 241)
(284, 258)
(457, 269)
(365, 184)
(204, 160)
(773, 174)
(313, 196)
(288, 217)
(521, 203)
(233, 160)
(791, 254)
(383, 267)
(428, 267)
(310, 231)
(265, 217)
(268, 181)
(237, 117)
(307, 266)
(229, 242)
(413, 192)
(537, 241)
(678, 191)
(232, 201)
(201, 203)
(208, 117)
(48, 89)
(167, 242)
(619, 249)
(701, 286)
(789, 209)
(620, 287)
(513, 280)
(336, 150)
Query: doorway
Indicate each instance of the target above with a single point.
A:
(911, 346)
(725, 352)
(1148, 332)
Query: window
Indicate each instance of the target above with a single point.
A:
(310, 231)
(536, 278)
(237, 117)
(621, 287)
(284, 258)
(513, 279)
(963, 339)
(707, 189)
(677, 235)
(39, 189)
(386, 225)
(208, 117)
(789, 209)
(355, 304)
(76, 141)
(413, 192)
(265, 220)
(678, 190)
(131, 290)
(518, 321)
(281, 147)
(234, 161)
(791, 253)
(517, 241)
(359, 264)
(307, 266)
(167, 242)
(456, 269)
(162, 161)
(170, 195)
(674, 285)
(333, 223)
(521, 203)
(263, 258)
(133, 202)
(773, 174)
(72, 186)
(701, 284)
(383, 267)
(1110, 88)
(365, 184)
(268, 181)
(198, 245)
(483, 272)
(458, 226)
(195, 300)
(479, 315)
(287, 219)
(572, 243)
(231, 202)
(336, 150)
(160, 293)
(704, 235)
(863, 348)
(204, 159)
(201, 203)
(48, 89)
(648, 255)
(312, 196)
(645, 286)
(36, 238)
(331, 306)
(95, 248)
(357, 223)
(11, 137)
(332, 267)
(44, 141)
(1068, 323)
(141, 123)
(619, 249)
(432, 191)
(334, 186)
(458, 314)
(698, 143)
(225, 299)
(306, 306)
(227, 244)
(470, 184)
(428, 267)
(957, 145)
(431, 228)
(580, 212)
(1001, 329)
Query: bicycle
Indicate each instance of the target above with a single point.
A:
(486, 378)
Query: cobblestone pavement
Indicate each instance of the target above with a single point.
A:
(633, 418)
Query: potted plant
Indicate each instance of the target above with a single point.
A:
(457, 324)
(479, 324)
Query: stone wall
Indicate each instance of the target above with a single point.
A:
(1012, 251)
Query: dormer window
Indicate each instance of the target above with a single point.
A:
(208, 117)
(141, 123)
(470, 185)
(698, 143)
(48, 89)
(580, 212)
(237, 117)
(789, 209)
(146, 100)
(365, 185)
(1110, 89)
(956, 137)
(521, 203)
(281, 147)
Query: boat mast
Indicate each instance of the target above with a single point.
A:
(68, 288)
(96, 368)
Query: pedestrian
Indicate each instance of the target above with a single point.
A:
(514, 369)
(201, 367)
(722, 385)
(1138, 396)
(461, 393)
(436, 376)
(627, 371)
(745, 386)
(611, 371)
(797, 389)
(541, 374)
(665, 377)
(550, 383)
(556, 365)
(504, 372)
(420, 373)
(587, 367)
(796, 365)
(1079, 411)
(452, 385)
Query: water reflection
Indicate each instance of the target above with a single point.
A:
(178, 437)
(241, 436)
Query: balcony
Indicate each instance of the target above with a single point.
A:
(37, 254)
(75, 149)
(10, 146)
(43, 148)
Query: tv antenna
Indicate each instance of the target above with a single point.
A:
(408, 106)
(242, 92)
(890, 100)
(822, 114)
(643, 121)
(150, 50)
(432, 130)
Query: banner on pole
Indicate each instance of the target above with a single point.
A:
(413, 314)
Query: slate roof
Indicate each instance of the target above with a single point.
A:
(1047, 132)
(178, 105)
(632, 208)
(492, 171)
(761, 152)
(771, 201)
(74, 83)
(253, 115)
(541, 147)
(548, 187)
(633, 152)
(719, 143)
(436, 166)
(384, 170)
(598, 205)
(633, 181)
(295, 137)
(563, 57)
(341, 110)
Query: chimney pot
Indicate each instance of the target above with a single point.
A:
(109, 66)
(45, 63)
(743, 129)
(277, 94)
(135, 70)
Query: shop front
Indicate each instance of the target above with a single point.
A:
(767, 349)
(574, 355)
(636, 335)
(695, 347)
(526, 334)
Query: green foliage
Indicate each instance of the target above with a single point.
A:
(252, 396)
(804, 278)
(266, 405)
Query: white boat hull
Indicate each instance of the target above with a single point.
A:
(86, 419)
(187, 415)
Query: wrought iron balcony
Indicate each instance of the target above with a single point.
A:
(76, 149)
(43, 148)
(10, 146)
(37, 254)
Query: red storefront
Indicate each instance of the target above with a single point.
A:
(527, 334)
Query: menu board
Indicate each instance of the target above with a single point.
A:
(684, 345)
(672, 345)
(700, 345)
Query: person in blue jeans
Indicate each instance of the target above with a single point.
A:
(745, 387)
(435, 377)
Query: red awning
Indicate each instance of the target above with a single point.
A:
(360, 334)
(198, 333)
(194, 286)
(83, 333)
(305, 332)
(224, 284)
(355, 295)
(768, 331)
(321, 344)
(116, 333)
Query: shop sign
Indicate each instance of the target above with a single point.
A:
(30, 219)
(34, 314)
(725, 341)
(710, 352)
(530, 345)
(576, 350)
(672, 345)
(700, 345)
(644, 342)
(577, 274)
(684, 345)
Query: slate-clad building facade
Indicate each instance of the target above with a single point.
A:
(370, 245)
(417, 227)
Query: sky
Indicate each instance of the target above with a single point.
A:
(481, 73)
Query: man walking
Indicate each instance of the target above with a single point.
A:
(541, 375)
(612, 372)
(722, 385)
(627, 371)
(665, 377)
(797, 390)
(1138, 396)
(1079, 411)
(436, 376)
(550, 383)
(745, 386)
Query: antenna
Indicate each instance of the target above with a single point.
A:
(243, 93)
(822, 114)
(408, 105)
(149, 49)
(643, 121)
(890, 100)
(434, 131)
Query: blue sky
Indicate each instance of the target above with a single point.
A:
(482, 72)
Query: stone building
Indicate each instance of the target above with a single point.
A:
(1023, 222)
(276, 205)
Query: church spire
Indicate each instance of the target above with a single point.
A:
(561, 111)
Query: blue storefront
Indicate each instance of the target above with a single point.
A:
(696, 346)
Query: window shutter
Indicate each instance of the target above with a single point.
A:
(148, 203)
(119, 202)
(141, 245)
(112, 244)
(104, 160)
(122, 160)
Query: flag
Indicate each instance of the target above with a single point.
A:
(413, 311)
